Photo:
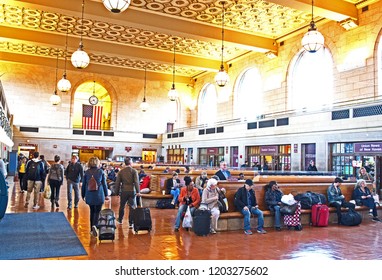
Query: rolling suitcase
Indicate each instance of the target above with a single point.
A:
(320, 215)
(202, 222)
(106, 224)
(142, 218)
(294, 220)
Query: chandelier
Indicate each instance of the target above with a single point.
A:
(80, 59)
(116, 6)
(64, 84)
(222, 77)
(172, 93)
(144, 105)
(313, 39)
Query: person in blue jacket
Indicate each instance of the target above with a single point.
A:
(94, 198)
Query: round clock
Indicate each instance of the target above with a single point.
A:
(93, 100)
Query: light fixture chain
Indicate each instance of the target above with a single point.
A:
(173, 68)
(82, 21)
(223, 32)
(55, 85)
(66, 44)
(144, 90)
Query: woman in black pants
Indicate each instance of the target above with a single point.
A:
(363, 196)
(55, 180)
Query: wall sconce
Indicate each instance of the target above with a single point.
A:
(348, 24)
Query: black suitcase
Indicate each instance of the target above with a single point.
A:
(202, 222)
(106, 224)
(142, 218)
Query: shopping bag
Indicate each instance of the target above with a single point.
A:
(47, 192)
(187, 220)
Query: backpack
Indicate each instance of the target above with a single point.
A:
(54, 173)
(222, 202)
(33, 170)
(164, 203)
(92, 185)
(308, 199)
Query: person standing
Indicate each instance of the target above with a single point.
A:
(127, 187)
(46, 170)
(95, 198)
(273, 196)
(223, 173)
(55, 180)
(311, 167)
(74, 174)
(34, 174)
(21, 169)
(189, 197)
(337, 199)
(245, 202)
(210, 197)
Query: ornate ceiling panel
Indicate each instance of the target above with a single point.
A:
(143, 36)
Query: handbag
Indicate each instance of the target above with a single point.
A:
(187, 220)
(47, 192)
(287, 209)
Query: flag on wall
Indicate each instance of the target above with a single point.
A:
(91, 117)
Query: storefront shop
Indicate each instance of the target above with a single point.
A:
(275, 157)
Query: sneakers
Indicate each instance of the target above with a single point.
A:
(176, 229)
(130, 225)
(371, 212)
(376, 219)
(248, 232)
(35, 207)
(94, 231)
(119, 221)
(261, 231)
(213, 231)
(57, 205)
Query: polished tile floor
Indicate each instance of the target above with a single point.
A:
(162, 243)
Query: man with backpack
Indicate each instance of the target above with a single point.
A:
(35, 173)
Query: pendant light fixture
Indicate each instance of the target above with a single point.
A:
(80, 59)
(144, 105)
(116, 6)
(64, 84)
(313, 39)
(55, 99)
(173, 94)
(222, 77)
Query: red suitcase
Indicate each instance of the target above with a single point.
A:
(320, 215)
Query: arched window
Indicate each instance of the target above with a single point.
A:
(207, 105)
(379, 59)
(89, 112)
(311, 80)
(249, 95)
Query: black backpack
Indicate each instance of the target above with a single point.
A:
(351, 218)
(33, 170)
(165, 203)
(308, 199)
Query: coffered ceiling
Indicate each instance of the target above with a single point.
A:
(33, 31)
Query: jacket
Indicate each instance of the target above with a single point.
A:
(335, 195)
(170, 185)
(94, 197)
(241, 198)
(195, 197)
(201, 183)
(210, 197)
(272, 198)
(59, 171)
(221, 175)
(74, 172)
(127, 180)
(41, 175)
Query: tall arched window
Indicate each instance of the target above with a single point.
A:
(207, 105)
(249, 95)
(311, 80)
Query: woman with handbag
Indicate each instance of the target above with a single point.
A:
(363, 196)
(55, 180)
(273, 196)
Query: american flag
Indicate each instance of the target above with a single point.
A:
(91, 117)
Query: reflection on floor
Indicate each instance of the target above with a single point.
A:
(162, 243)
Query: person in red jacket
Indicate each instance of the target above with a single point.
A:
(189, 196)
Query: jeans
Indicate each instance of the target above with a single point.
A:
(247, 217)
(127, 197)
(277, 216)
(175, 194)
(73, 186)
(55, 188)
(182, 208)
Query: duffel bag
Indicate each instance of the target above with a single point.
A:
(351, 218)
(308, 199)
